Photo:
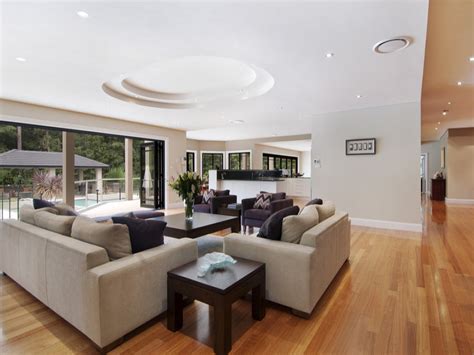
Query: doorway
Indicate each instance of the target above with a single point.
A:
(424, 173)
(152, 174)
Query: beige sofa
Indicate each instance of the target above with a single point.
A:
(298, 274)
(103, 299)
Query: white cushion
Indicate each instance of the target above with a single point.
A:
(54, 223)
(293, 227)
(326, 210)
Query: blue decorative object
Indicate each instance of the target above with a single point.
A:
(214, 261)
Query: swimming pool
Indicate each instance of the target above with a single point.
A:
(81, 203)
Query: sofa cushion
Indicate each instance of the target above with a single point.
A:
(114, 238)
(222, 193)
(315, 201)
(37, 203)
(271, 228)
(263, 201)
(53, 222)
(206, 197)
(276, 195)
(293, 227)
(257, 213)
(202, 207)
(326, 210)
(27, 213)
(144, 234)
(65, 210)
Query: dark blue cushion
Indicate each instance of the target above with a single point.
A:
(144, 234)
(37, 203)
(315, 201)
(271, 228)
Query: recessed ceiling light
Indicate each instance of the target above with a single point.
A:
(436, 128)
(20, 59)
(274, 135)
(439, 122)
(445, 112)
(359, 96)
(471, 59)
(329, 55)
(459, 83)
(391, 45)
(449, 102)
(82, 14)
(236, 121)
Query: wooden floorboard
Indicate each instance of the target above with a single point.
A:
(400, 293)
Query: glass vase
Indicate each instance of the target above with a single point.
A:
(188, 209)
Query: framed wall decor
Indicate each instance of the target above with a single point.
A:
(363, 146)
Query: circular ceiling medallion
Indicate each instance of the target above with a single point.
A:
(189, 82)
(391, 45)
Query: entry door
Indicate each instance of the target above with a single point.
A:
(152, 175)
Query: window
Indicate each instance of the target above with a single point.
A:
(239, 161)
(211, 161)
(276, 162)
(190, 161)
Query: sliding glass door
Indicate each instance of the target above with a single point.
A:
(152, 175)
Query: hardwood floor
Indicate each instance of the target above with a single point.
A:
(400, 293)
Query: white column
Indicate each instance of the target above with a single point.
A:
(52, 172)
(81, 174)
(129, 168)
(68, 168)
(98, 177)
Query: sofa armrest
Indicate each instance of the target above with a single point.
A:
(219, 201)
(247, 204)
(280, 204)
(288, 267)
(133, 290)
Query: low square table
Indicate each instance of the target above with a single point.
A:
(219, 289)
(201, 224)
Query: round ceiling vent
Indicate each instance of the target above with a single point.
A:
(391, 45)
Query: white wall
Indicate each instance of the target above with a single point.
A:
(383, 189)
(433, 151)
(305, 164)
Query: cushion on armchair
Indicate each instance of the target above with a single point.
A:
(276, 195)
(222, 193)
(315, 201)
(263, 201)
(206, 197)
(37, 203)
(271, 228)
(202, 207)
(326, 210)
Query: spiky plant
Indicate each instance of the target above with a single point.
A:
(46, 186)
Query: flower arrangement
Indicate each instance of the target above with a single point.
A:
(187, 185)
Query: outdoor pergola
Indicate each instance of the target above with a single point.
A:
(31, 159)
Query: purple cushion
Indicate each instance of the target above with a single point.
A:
(276, 195)
(144, 234)
(37, 203)
(223, 193)
(202, 207)
(257, 213)
(271, 229)
(145, 214)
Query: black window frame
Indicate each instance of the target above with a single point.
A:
(188, 163)
(239, 154)
(278, 162)
(213, 154)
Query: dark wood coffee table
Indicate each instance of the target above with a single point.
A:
(219, 289)
(201, 224)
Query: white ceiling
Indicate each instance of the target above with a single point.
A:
(303, 145)
(68, 57)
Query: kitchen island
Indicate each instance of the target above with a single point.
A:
(250, 183)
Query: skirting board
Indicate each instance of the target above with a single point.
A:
(374, 223)
(459, 201)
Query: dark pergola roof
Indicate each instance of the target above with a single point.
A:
(35, 159)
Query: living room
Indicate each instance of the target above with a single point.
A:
(270, 197)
